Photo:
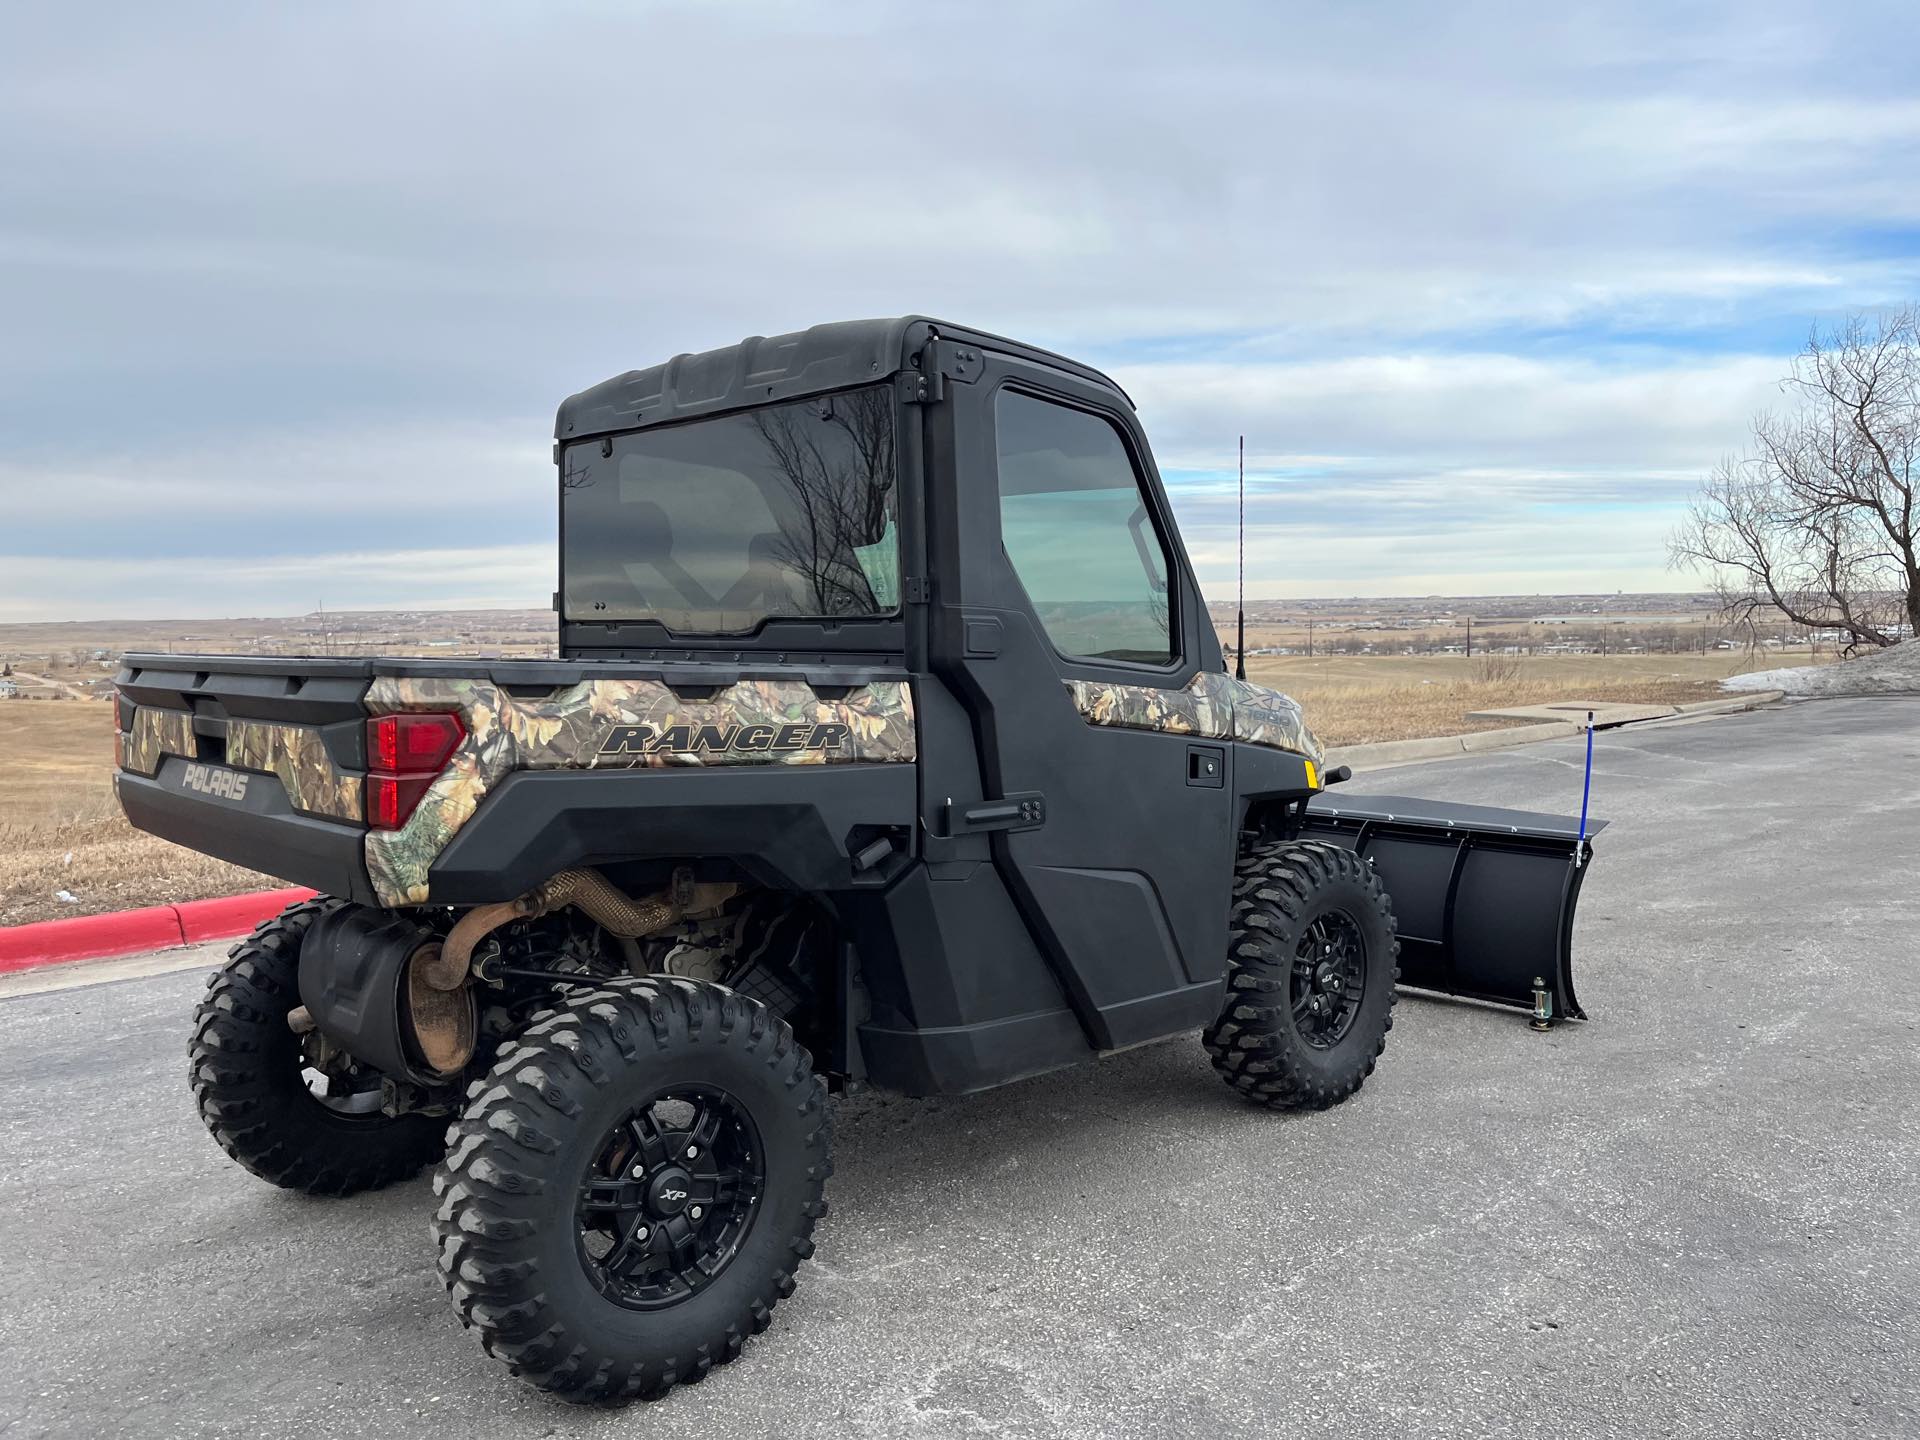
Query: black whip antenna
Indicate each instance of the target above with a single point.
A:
(1240, 597)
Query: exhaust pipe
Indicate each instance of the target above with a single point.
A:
(361, 986)
(394, 994)
(597, 897)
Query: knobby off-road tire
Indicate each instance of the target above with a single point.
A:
(246, 1070)
(575, 1128)
(1302, 1026)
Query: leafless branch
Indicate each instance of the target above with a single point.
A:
(1817, 521)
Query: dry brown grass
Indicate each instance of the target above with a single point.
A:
(1351, 700)
(61, 829)
(1353, 715)
(1497, 669)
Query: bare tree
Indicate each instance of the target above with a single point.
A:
(1818, 521)
(578, 475)
(836, 460)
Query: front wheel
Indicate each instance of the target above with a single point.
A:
(632, 1188)
(1311, 963)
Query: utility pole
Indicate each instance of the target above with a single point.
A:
(1309, 637)
(1469, 637)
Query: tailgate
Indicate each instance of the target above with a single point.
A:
(260, 762)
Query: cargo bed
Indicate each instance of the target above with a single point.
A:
(263, 760)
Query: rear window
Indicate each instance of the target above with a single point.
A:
(717, 525)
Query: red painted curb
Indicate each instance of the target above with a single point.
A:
(88, 937)
(233, 914)
(129, 932)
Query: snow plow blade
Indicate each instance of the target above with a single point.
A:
(1484, 897)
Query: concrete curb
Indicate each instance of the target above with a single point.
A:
(130, 932)
(1727, 707)
(1437, 747)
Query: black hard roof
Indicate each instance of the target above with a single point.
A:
(774, 367)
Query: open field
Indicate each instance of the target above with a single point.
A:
(1353, 699)
(61, 830)
(340, 632)
(82, 656)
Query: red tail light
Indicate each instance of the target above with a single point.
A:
(405, 754)
(391, 798)
(409, 744)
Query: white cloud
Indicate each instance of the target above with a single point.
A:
(280, 266)
(1490, 548)
(1489, 410)
(1464, 473)
(392, 476)
(217, 584)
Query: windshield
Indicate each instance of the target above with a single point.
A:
(714, 526)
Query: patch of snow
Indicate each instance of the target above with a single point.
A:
(1893, 671)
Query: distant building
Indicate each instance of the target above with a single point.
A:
(9, 690)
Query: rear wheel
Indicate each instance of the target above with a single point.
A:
(298, 1119)
(632, 1188)
(1312, 961)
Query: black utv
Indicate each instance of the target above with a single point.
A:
(890, 744)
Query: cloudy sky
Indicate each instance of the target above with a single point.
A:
(288, 293)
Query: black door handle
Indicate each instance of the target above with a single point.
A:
(1025, 810)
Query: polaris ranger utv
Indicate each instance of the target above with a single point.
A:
(890, 744)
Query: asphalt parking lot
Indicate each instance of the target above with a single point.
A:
(1694, 1215)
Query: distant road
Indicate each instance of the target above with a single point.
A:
(24, 678)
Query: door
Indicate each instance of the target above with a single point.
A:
(1064, 607)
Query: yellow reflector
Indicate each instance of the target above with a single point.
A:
(1313, 777)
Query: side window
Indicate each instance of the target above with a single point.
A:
(1078, 531)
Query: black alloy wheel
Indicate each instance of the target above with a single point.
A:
(1329, 979)
(670, 1197)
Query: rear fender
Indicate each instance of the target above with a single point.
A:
(1484, 897)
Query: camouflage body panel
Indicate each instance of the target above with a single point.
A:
(156, 733)
(598, 724)
(1214, 706)
(297, 755)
